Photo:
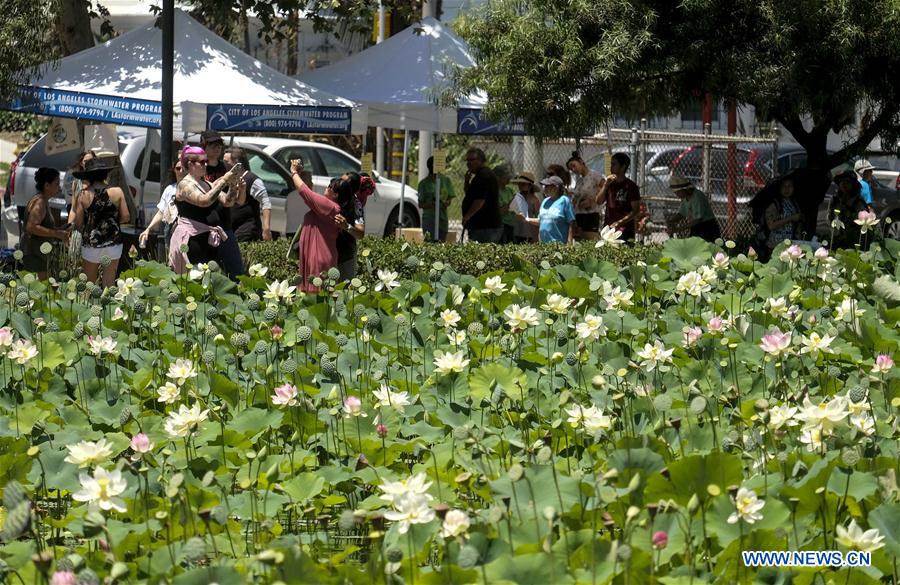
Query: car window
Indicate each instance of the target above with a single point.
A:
(885, 162)
(61, 161)
(798, 161)
(667, 157)
(336, 163)
(266, 169)
(289, 153)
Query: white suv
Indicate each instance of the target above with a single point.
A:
(288, 209)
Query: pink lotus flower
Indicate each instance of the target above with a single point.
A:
(883, 364)
(63, 578)
(285, 395)
(140, 443)
(353, 407)
(821, 253)
(751, 253)
(277, 332)
(776, 342)
(381, 430)
(660, 539)
(720, 260)
(865, 220)
(716, 325)
(6, 337)
(692, 335)
(791, 254)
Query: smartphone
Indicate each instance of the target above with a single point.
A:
(237, 169)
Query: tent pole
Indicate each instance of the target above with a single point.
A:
(145, 170)
(168, 75)
(437, 197)
(403, 179)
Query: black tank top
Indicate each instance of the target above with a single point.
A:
(209, 215)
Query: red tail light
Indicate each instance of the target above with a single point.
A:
(11, 184)
(752, 177)
(680, 157)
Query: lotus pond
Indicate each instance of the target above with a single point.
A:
(575, 424)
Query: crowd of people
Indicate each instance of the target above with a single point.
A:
(213, 202)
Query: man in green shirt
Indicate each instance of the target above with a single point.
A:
(426, 204)
(507, 194)
(695, 214)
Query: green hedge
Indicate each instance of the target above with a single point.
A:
(471, 258)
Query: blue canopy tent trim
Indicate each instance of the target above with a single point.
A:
(111, 109)
(262, 118)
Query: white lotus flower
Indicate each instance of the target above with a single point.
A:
(6, 337)
(258, 270)
(449, 318)
(848, 309)
(387, 398)
(280, 290)
(826, 415)
(447, 363)
(748, 507)
(101, 490)
(101, 345)
(557, 304)
(168, 393)
(127, 287)
(416, 484)
(387, 280)
(591, 328)
(456, 523)
(609, 236)
(782, 415)
(181, 371)
(89, 453)
(457, 338)
(591, 419)
(494, 286)
(184, 421)
(22, 352)
(410, 509)
(521, 317)
(353, 407)
(853, 537)
(617, 298)
(812, 438)
(655, 355)
(864, 423)
(720, 260)
(692, 284)
(815, 344)
(198, 272)
(778, 307)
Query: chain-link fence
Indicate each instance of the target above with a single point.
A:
(729, 169)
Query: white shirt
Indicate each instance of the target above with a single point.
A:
(520, 205)
(166, 205)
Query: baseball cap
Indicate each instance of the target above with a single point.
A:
(210, 136)
(552, 180)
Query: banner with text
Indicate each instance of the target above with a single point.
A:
(472, 121)
(293, 119)
(87, 106)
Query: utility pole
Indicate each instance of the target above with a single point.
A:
(168, 75)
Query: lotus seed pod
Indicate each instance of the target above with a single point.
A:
(494, 324)
(289, 366)
(96, 310)
(81, 286)
(321, 348)
(850, 457)
(412, 262)
(239, 320)
(359, 311)
(240, 339)
(475, 329)
(571, 358)
(6, 278)
(302, 315)
(374, 321)
(106, 300)
(187, 344)
(78, 330)
(328, 367)
(211, 313)
(140, 307)
(825, 312)
(434, 276)
(341, 340)
(857, 394)
(52, 327)
(211, 330)
(93, 324)
(208, 357)
(13, 495)
(22, 299)
(401, 320)
(230, 359)
(834, 372)
(178, 311)
(18, 521)
(261, 347)
(394, 555)
(253, 305)
(194, 550)
(562, 337)
(333, 273)
(340, 307)
(271, 313)
(124, 417)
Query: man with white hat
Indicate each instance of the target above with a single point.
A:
(864, 170)
(695, 214)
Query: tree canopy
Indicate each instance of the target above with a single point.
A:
(24, 42)
(566, 65)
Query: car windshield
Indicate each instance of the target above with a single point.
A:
(884, 162)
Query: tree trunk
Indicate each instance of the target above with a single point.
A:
(293, 43)
(73, 26)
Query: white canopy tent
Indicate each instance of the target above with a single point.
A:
(120, 81)
(401, 79)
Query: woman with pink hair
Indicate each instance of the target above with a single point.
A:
(199, 207)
